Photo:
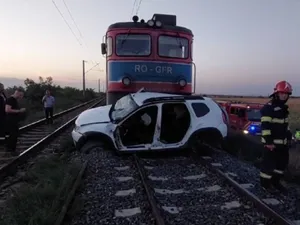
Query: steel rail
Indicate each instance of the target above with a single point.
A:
(155, 210)
(11, 167)
(244, 192)
(41, 121)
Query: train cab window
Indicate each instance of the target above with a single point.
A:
(173, 47)
(109, 46)
(133, 45)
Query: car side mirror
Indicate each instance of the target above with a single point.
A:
(103, 48)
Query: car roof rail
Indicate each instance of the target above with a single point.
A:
(174, 98)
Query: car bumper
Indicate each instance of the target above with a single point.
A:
(76, 136)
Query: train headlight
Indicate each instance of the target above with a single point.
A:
(126, 81)
(150, 23)
(158, 23)
(182, 83)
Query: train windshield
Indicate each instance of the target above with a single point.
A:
(123, 107)
(133, 45)
(173, 47)
(253, 115)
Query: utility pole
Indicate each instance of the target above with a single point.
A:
(99, 89)
(83, 77)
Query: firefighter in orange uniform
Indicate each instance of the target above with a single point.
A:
(276, 138)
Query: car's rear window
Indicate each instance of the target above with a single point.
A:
(200, 109)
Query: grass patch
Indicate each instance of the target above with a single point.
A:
(40, 199)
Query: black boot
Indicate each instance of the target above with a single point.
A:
(267, 185)
(277, 184)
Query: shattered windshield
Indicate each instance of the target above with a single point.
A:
(123, 107)
(254, 115)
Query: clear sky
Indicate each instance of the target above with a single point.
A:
(241, 46)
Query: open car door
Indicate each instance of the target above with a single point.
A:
(136, 132)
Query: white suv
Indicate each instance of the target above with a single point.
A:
(151, 121)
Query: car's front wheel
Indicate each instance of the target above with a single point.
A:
(90, 145)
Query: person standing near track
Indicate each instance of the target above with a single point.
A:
(2, 113)
(48, 101)
(13, 115)
(276, 138)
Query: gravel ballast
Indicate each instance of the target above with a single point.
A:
(246, 173)
(112, 193)
(189, 193)
(186, 193)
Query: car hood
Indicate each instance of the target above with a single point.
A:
(95, 115)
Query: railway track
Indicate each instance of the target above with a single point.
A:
(171, 190)
(238, 172)
(33, 137)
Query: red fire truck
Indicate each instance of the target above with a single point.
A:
(243, 116)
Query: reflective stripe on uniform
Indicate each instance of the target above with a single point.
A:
(275, 120)
(278, 171)
(265, 132)
(264, 175)
(2, 138)
(266, 119)
(276, 141)
(280, 141)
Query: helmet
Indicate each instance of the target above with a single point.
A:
(284, 87)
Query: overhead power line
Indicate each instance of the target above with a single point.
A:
(72, 19)
(70, 14)
(80, 33)
(66, 22)
(133, 8)
(138, 7)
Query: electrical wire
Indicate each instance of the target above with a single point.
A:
(75, 26)
(133, 8)
(66, 22)
(138, 7)
(72, 19)
(80, 33)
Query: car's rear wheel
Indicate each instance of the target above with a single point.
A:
(205, 140)
(90, 145)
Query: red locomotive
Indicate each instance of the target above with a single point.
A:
(155, 55)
